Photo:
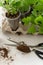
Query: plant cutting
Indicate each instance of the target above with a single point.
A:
(12, 14)
(25, 23)
(28, 25)
(36, 18)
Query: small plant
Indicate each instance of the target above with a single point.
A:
(36, 17)
(11, 6)
(28, 22)
(12, 14)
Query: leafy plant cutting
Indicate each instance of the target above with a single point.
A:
(12, 14)
(35, 18)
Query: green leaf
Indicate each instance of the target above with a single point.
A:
(32, 29)
(41, 30)
(38, 8)
(26, 20)
(1, 4)
(39, 20)
(24, 5)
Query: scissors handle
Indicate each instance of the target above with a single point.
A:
(40, 44)
(39, 53)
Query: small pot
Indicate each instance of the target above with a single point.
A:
(25, 27)
(14, 22)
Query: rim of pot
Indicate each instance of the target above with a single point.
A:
(26, 11)
(15, 17)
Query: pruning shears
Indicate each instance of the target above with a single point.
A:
(37, 52)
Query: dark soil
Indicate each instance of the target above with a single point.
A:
(24, 48)
(5, 54)
(12, 16)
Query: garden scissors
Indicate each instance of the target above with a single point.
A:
(37, 52)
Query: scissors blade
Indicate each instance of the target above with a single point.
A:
(10, 45)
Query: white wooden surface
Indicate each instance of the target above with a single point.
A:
(19, 58)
